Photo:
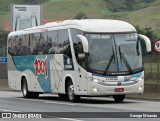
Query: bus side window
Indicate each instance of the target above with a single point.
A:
(11, 46)
(64, 43)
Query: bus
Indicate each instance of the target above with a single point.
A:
(77, 58)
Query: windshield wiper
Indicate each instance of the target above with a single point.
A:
(122, 57)
(110, 61)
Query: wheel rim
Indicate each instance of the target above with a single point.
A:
(71, 92)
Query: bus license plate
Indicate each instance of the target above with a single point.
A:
(119, 90)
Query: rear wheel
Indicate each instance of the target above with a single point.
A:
(25, 92)
(70, 91)
(118, 98)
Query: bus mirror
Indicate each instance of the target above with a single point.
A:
(81, 56)
(147, 41)
(84, 43)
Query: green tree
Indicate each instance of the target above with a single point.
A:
(152, 36)
(130, 4)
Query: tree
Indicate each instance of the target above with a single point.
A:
(130, 4)
(149, 33)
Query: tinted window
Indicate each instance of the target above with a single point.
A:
(52, 42)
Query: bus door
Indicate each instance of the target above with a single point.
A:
(81, 81)
(81, 70)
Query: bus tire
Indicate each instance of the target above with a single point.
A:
(118, 98)
(70, 92)
(24, 88)
(25, 92)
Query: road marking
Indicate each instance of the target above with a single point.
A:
(70, 119)
(8, 110)
(59, 103)
(103, 105)
(88, 105)
(142, 101)
(106, 99)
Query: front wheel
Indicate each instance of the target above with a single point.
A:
(71, 95)
(118, 98)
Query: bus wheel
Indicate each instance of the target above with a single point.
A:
(24, 88)
(26, 93)
(70, 91)
(118, 98)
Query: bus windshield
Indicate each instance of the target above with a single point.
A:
(113, 54)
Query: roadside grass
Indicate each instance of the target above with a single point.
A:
(147, 15)
(150, 69)
(151, 75)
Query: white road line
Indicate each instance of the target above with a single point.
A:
(84, 104)
(81, 104)
(70, 119)
(8, 110)
(59, 103)
(142, 101)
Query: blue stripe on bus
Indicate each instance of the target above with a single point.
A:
(23, 63)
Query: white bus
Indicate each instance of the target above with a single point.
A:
(74, 58)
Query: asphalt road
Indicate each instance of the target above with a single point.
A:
(100, 107)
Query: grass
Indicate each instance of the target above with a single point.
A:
(60, 10)
(151, 75)
(149, 17)
(144, 14)
(148, 69)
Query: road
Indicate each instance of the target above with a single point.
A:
(13, 102)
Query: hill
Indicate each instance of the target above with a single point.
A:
(145, 13)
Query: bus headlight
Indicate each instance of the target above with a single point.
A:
(140, 79)
(140, 88)
(95, 80)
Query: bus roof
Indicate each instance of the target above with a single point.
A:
(87, 25)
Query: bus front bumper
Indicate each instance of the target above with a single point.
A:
(95, 89)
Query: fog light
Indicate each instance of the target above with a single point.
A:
(95, 89)
(140, 79)
(140, 88)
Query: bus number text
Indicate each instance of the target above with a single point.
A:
(41, 66)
